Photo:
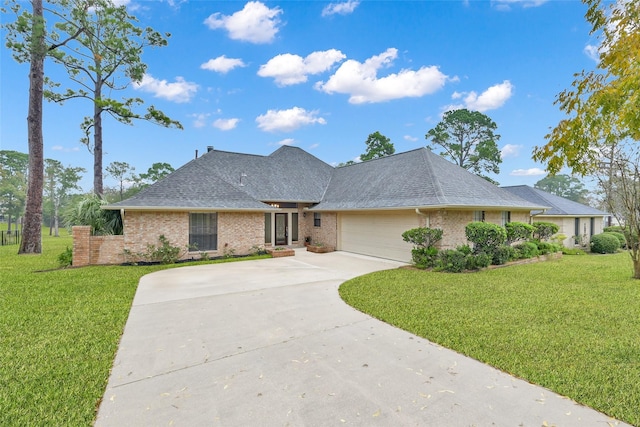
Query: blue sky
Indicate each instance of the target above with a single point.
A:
(252, 76)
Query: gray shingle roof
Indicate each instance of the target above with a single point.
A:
(558, 205)
(417, 178)
(234, 181)
(225, 180)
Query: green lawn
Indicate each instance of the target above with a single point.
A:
(59, 331)
(572, 325)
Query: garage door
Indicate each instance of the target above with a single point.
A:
(377, 234)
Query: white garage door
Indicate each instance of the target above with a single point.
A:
(377, 234)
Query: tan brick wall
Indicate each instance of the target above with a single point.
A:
(145, 228)
(96, 250)
(239, 232)
(327, 233)
(81, 245)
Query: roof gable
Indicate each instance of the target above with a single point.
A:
(558, 205)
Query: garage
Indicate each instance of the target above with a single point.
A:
(377, 234)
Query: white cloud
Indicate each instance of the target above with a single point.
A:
(255, 23)
(226, 124)
(64, 149)
(288, 120)
(286, 141)
(314, 146)
(506, 4)
(343, 8)
(510, 150)
(200, 120)
(410, 138)
(592, 52)
(361, 82)
(179, 91)
(528, 172)
(222, 64)
(492, 98)
(288, 69)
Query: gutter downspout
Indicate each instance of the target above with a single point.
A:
(426, 216)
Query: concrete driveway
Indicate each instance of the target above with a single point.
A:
(270, 343)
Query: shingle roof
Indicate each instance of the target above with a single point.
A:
(417, 178)
(233, 181)
(558, 205)
(225, 180)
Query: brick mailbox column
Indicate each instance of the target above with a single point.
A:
(81, 245)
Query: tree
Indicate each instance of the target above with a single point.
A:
(378, 146)
(565, 186)
(601, 133)
(13, 184)
(27, 38)
(155, 173)
(468, 139)
(59, 180)
(122, 172)
(107, 55)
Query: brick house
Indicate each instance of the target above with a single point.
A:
(576, 221)
(231, 202)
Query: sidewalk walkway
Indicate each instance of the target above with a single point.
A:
(270, 343)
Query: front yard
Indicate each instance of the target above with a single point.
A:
(571, 325)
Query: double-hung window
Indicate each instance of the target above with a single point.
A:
(203, 231)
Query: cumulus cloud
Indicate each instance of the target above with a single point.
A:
(255, 23)
(528, 172)
(510, 150)
(179, 91)
(286, 141)
(226, 124)
(410, 138)
(361, 82)
(288, 120)
(200, 119)
(288, 69)
(342, 8)
(492, 98)
(222, 64)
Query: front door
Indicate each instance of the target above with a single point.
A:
(282, 229)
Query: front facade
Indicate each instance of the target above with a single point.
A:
(230, 203)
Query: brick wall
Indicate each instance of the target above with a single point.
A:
(95, 250)
(239, 232)
(327, 233)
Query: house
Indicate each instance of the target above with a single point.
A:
(226, 202)
(576, 221)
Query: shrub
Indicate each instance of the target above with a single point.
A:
(452, 260)
(526, 250)
(476, 262)
(613, 228)
(89, 212)
(65, 259)
(573, 251)
(604, 243)
(544, 230)
(502, 254)
(518, 231)
(465, 249)
(424, 257)
(485, 236)
(545, 248)
(423, 237)
(619, 236)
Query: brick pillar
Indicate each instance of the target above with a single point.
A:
(81, 245)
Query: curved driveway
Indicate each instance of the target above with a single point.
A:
(270, 343)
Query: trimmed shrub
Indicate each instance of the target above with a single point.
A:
(544, 230)
(464, 249)
(476, 262)
(518, 231)
(485, 236)
(422, 236)
(545, 248)
(604, 243)
(619, 236)
(613, 229)
(502, 254)
(424, 257)
(526, 250)
(452, 261)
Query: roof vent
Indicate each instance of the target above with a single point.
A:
(209, 148)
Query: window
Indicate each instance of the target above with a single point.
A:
(577, 231)
(592, 225)
(203, 231)
(506, 217)
(294, 227)
(267, 227)
(478, 216)
(316, 219)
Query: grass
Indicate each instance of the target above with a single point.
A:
(571, 325)
(59, 331)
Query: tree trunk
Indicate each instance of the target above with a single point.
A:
(98, 188)
(32, 222)
(9, 224)
(55, 218)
